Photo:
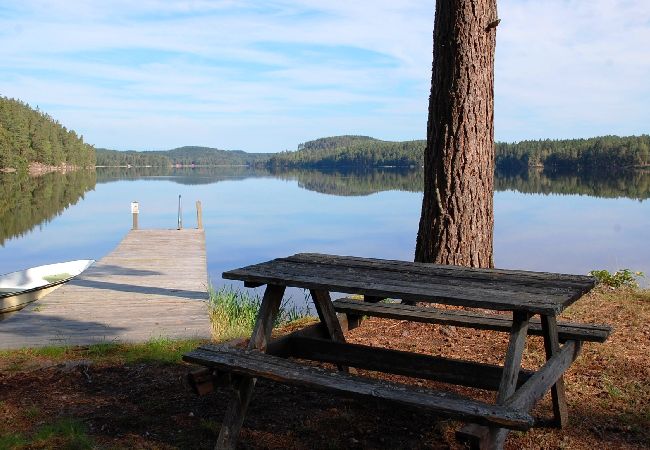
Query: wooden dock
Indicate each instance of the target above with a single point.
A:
(154, 284)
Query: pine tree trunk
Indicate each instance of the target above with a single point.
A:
(457, 220)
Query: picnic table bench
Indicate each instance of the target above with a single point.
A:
(523, 294)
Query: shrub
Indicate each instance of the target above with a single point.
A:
(622, 277)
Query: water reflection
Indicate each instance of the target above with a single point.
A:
(360, 182)
(355, 182)
(180, 175)
(623, 184)
(26, 202)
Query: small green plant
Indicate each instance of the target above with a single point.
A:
(622, 277)
(233, 312)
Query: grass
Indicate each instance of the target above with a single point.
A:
(233, 313)
(64, 433)
(162, 350)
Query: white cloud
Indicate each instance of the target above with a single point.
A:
(144, 74)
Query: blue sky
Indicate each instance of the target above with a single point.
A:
(266, 76)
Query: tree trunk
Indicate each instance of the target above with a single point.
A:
(457, 220)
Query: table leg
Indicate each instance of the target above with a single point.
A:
(354, 320)
(243, 391)
(552, 346)
(478, 436)
(327, 316)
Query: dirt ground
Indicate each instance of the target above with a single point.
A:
(149, 405)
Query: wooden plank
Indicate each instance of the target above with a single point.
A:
(255, 364)
(567, 330)
(527, 277)
(465, 373)
(416, 282)
(443, 285)
(552, 347)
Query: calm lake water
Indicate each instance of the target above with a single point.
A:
(560, 223)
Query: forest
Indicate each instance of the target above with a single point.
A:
(599, 153)
(30, 136)
(182, 156)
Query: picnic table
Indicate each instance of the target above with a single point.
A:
(520, 293)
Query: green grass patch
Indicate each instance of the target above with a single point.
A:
(64, 434)
(233, 312)
(161, 350)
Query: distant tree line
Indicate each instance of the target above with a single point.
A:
(351, 151)
(182, 156)
(593, 153)
(360, 151)
(28, 135)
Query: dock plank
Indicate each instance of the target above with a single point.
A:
(153, 284)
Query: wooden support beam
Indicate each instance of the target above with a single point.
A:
(465, 373)
(327, 315)
(494, 438)
(476, 436)
(242, 392)
(355, 320)
(552, 347)
(547, 375)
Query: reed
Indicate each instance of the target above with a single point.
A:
(233, 312)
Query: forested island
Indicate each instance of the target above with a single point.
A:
(604, 152)
(31, 137)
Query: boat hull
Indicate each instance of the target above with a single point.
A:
(19, 289)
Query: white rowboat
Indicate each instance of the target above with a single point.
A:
(18, 289)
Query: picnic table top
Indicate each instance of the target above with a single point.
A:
(498, 289)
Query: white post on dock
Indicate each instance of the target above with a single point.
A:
(180, 214)
(135, 210)
(199, 215)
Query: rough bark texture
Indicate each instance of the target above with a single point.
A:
(456, 225)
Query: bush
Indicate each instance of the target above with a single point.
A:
(622, 277)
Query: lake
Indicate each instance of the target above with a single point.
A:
(567, 223)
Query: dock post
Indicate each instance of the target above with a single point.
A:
(199, 215)
(180, 214)
(134, 211)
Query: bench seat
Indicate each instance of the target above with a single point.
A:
(567, 330)
(253, 363)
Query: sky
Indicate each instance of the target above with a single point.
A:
(265, 76)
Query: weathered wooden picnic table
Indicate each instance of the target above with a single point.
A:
(523, 294)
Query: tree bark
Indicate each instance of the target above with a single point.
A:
(457, 220)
